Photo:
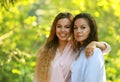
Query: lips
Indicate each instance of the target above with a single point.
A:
(63, 35)
(79, 35)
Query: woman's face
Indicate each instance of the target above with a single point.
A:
(81, 30)
(63, 28)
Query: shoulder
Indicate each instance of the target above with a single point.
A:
(97, 56)
(97, 51)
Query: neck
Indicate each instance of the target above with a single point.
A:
(62, 45)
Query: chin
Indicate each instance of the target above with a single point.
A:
(80, 40)
(63, 39)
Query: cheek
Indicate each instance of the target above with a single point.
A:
(68, 31)
(87, 33)
(57, 30)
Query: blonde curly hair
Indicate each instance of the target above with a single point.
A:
(48, 51)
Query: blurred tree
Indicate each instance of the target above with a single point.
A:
(25, 27)
(7, 3)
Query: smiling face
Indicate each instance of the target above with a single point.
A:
(63, 29)
(81, 30)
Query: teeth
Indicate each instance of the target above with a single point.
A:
(63, 35)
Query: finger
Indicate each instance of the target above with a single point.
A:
(89, 52)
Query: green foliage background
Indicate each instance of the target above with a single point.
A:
(25, 26)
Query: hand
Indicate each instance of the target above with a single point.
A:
(90, 48)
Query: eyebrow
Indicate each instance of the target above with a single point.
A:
(65, 25)
(82, 25)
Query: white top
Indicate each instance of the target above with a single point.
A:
(90, 69)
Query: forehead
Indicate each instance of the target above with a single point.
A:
(81, 21)
(64, 21)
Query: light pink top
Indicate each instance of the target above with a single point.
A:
(60, 70)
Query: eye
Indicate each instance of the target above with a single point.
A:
(67, 27)
(83, 27)
(58, 26)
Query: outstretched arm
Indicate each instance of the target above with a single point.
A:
(105, 47)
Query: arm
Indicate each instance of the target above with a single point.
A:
(105, 47)
(95, 69)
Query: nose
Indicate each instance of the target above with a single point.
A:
(79, 30)
(62, 29)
